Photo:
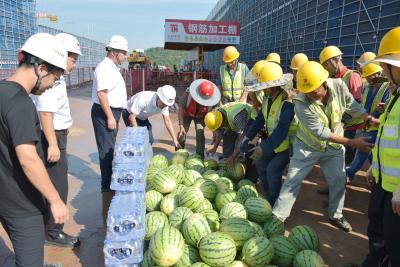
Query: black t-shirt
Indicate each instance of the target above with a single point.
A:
(19, 124)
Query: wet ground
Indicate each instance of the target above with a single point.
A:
(337, 248)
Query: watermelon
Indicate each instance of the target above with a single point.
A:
(239, 229)
(159, 161)
(166, 246)
(257, 251)
(164, 182)
(237, 171)
(194, 164)
(200, 264)
(212, 218)
(194, 228)
(178, 216)
(190, 177)
(226, 197)
(190, 197)
(304, 237)
(151, 171)
(273, 227)
(222, 173)
(154, 221)
(208, 187)
(190, 256)
(222, 164)
(147, 260)
(285, 251)
(258, 230)
(169, 203)
(308, 258)
(233, 210)
(211, 164)
(247, 191)
(207, 172)
(224, 184)
(183, 152)
(211, 176)
(217, 249)
(178, 189)
(178, 159)
(205, 205)
(258, 209)
(237, 264)
(153, 200)
(177, 171)
(245, 182)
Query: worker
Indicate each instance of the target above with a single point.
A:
(384, 176)
(364, 59)
(256, 97)
(55, 119)
(147, 103)
(374, 98)
(24, 182)
(236, 117)
(297, 61)
(272, 155)
(319, 137)
(109, 99)
(194, 104)
(274, 57)
(232, 77)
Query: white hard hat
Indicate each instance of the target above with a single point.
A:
(71, 44)
(118, 42)
(47, 48)
(167, 94)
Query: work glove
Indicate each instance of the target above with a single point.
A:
(257, 153)
(396, 201)
(244, 145)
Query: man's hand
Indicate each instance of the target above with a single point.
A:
(111, 124)
(212, 150)
(53, 154)
(396, 201)
(177, 145)
(257, 153)
(229, 161)
(369, 178)
(374, 122)
(362, 144)
(181, 132)
(380, 107)
(59, 211)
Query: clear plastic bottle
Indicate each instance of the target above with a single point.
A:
(129, 177)
(123, 253)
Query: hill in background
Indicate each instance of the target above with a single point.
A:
(165, 57)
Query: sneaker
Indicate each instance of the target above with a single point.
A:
(63, 240)
(342, 224)
(323, 191)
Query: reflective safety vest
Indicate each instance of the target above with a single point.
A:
(333, 122)
(232, 90)
(346, 80)
(272, 119)
(386, 152)
(378, 99)
(232, 109)
(194, 109)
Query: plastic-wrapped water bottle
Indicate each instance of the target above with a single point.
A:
(118, 253)
(127, 152)
(137, 135)
(129, 177)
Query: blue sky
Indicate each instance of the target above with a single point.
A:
(140, 21)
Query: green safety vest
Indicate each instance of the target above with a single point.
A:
(232, 90)
(334, 122)
(378, 98)
(272, 119)
(386, 163)
(346, 80)
(232, 109)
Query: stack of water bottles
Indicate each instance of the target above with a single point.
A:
(123, 246)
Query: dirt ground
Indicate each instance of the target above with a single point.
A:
(337, 247)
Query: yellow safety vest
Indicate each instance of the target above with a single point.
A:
(231, 110)
(377, 99)
(346, 80)
(272, 119)
(232, 90)
(386, 152)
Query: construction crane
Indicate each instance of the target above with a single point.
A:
(44, 15)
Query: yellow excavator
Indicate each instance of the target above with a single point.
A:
(138, 60)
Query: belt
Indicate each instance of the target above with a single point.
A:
(65, 131)
(120, 109)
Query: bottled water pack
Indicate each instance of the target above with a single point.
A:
(129, 177)
(123, 253)
(127, 152)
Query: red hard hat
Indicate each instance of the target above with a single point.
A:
(206, 89)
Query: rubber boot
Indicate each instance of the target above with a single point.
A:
(106, 197)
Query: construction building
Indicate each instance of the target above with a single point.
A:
(291, 26)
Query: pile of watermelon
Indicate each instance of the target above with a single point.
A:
(201, 214)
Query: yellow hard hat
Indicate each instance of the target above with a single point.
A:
(230, 54)
(298, 60)
(213, 120)
(365, 58)
(310, 76)
(328, 53)
(370, 69)
(274, 57)
(389, 48)
(257, 67)
(270, 72)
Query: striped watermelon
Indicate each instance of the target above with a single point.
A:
(153, 200)
(164, 182)
(166, 246)
(222, 164)
(177, 171)
(258, 209)
(245, 182)
(258, 230)
(190, 177)
(190, 197)
(224, 184)
(222, 173)
(151, 171)
(147, 260)
(217, 249)
(308, 258)
(237, 171)
(195, 156)
(178, 216)
(239, 229)
(207, 172)
(159, 161)
(194, 164)
(183, 152)
(205, 205)
(169, 203)
(154, 221)
(178, 189)
(178, 159)
(200, 264)
(211, 164)
(208, 187)
(237, 264)
(211, 176)
(274, 227)
(232, 210)
(212, 219)
(190, 256)
(226, 197)
(194, 228)
(285, 251)
(304, 237)
(247, 191)
(257, 251)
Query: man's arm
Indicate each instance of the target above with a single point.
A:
(46, 120)
(132, 119)
(170, 128)
(36, 173)
(111, 123)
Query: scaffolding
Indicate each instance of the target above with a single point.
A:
(292, 26)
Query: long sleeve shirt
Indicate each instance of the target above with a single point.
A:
(370, 99)
(355, 84)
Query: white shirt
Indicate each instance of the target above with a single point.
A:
(107, 76)
(144, 105)
(55, 100)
